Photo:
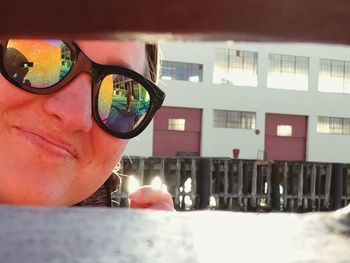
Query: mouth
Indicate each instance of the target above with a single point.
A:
(49, 143)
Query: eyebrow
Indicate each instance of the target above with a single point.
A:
(119, 62)
(123, 63)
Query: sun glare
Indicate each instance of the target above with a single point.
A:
(133, 184)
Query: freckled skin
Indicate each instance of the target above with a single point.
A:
(31, 175)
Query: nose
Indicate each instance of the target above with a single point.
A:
(71, 106)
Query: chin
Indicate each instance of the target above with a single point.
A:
(33, 190)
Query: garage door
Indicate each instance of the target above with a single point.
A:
(285, 137)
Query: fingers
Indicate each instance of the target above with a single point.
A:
(148, 194)
(162, 206)
(157, 206)
(149, 197)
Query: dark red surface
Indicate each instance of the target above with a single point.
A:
(235, 153)
(169, 143)
(285, 148)
(258, 20)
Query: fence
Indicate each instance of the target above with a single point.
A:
(242, 185)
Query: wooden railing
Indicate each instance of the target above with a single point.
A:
(242, 185)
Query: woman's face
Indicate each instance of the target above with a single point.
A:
(52, 151)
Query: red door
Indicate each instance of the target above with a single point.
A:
(285, 137)
(177, 131)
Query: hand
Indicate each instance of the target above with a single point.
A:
(151, 198)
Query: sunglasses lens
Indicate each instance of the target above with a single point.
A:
(122, 103)
(37, 63)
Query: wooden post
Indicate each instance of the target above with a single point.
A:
(337, 185)
(123, 200)
(319, 177)
(121, 166)
(240, 183)
(285, 186)
(275, 187)
(345, 184)
(245, 203)
(211, 169)
(216, 188)
(232, 181)
(178, 180)
(161, 171)
(313, 186)
(141, 170)
(254, 179)
(225, 182)
(327, 186)
(150, 171)
(204, 182)
(306, 187)
(268, 195)
(246, 184)
(305, 203)
(300, 187)
(194, 181)
(260, 185)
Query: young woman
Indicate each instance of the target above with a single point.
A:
(67, 110)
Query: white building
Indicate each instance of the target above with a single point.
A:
(269, 100)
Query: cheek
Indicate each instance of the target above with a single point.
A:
(11, 96)
(108, 148)
(106, 153)
(6, 99)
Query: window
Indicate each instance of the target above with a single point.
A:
(284, 130)
(334, 76)
(288, 72)
(176, 124)
(234, 119)
(172, 70)
(333, 125)
(236, 67)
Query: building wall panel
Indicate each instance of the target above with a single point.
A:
(171, 143)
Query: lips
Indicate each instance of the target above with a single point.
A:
(47, 142)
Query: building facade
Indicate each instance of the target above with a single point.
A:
(260, 100)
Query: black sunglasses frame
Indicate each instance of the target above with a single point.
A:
(82, 63)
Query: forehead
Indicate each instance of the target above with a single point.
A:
(125, 53)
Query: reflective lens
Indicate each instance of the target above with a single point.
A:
(122, 103)
(37, 63)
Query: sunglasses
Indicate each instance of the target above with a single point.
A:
(123, 101)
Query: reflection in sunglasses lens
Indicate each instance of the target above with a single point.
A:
(37, 63)
(122, 103)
